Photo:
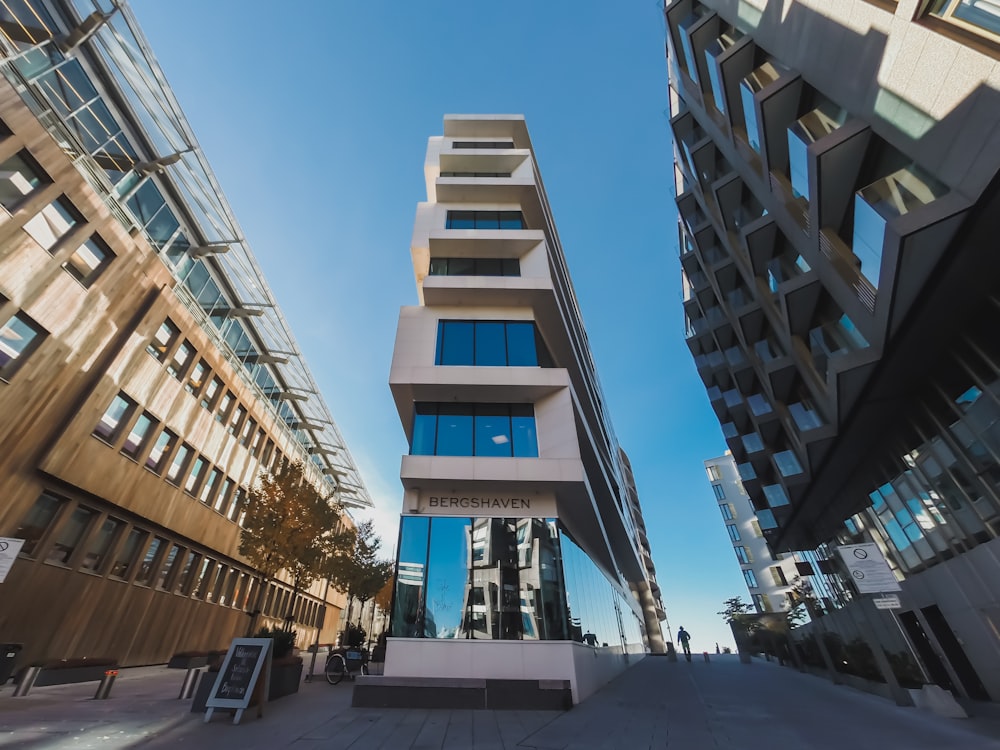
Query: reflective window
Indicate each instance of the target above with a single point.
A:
(483, 144)
(19, 175)
(211, 394)
(204, 578)
(139, 434)
(750, 578)
(89, 261)
(475, 267)
(52, 223)
(196, 378)
(198, 468)
(19, 337)
(115, 418)
(787, 463)
(758, 80)
(186, 576)
(474, 430)
(36, 522)
(239, 413)
(127, 554)
(487, 343)
(225, 495)
(100, 542)
(975, 15)
(734, 533)
(742, 555)
(148, 568)
(69, 536)
(181, 360)
(719, 493)
(752, 442)
(161, 449)
(485, 220)
(165, 337)
(167, 566)
(727, 511)
(179, 464)
(211, 484)
(775, 495)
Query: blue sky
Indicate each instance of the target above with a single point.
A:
(315, 118)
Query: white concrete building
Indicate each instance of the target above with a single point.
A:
(518, 502)
(768, 579)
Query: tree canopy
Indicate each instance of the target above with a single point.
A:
(361, 574)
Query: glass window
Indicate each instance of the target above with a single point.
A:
(52, 223)
(19, 176)
(742, 555)
(208, 489)
(447, 577)
(140, 433)
(36, 522)
(752, 442)
(408, 604)
(196, 378)
(461, 220)
(89, 261)
(179, 464)
(491, 344)
(195, 476)
(734, 533)
(249, 431)
(100, 543)
(455, 342)
(750, 578)
(115, 418)
(182, 585)
(487, 219)
(160, 451)
(522, 423)
(181, 360)
(511, 220)
(713, 473)
(69, 536)
(148, 567)
(237, 419)
(212, 392)
(787, 463)
(19, 337)
(127, 554)
(521, 345)
(201, 588)
(492, 436)
(454, 431)
(225, 495)
(165, 337)
(971, 14)
(719, 494)
(145, 202)
(166, 568)
(424, 430)
(727, 511)
(775, 495)
(225, 404)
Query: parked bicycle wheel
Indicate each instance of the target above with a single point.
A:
(336, 668)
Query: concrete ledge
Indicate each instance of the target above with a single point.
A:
(416, 692)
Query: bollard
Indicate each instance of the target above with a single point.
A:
(190, 680)
(705, 654)
(104, 689)
(27, 680)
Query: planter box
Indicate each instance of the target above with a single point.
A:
(71, 675)
(286, 677)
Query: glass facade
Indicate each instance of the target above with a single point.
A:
(504, 579)
(474, 430)
(484, 343)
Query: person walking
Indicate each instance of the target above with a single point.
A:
(684, 638)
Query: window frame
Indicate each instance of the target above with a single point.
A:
(92, 273)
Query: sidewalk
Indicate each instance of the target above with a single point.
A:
(656, 704)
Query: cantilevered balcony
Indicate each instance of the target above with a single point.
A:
(770, 95)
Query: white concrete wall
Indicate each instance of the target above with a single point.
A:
(587, 669)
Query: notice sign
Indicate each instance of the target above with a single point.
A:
(247, 666)
(8, 554)
(868, 568)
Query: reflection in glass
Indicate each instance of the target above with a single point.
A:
(407, 611)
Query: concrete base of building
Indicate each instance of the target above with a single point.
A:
(586, 669)
(496, 695)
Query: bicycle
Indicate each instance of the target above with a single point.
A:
(343, 663)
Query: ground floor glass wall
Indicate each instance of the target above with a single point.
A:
(504, 579)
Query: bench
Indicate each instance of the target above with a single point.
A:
(68, 672)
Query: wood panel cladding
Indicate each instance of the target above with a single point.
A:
(94, 348)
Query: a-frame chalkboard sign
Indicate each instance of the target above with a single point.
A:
(246, 672)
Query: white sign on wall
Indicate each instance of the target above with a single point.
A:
(485, 503)
(868, 568)
(8, 554)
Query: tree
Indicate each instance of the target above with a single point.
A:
(360, 574)
(289, 525)
(736, 611)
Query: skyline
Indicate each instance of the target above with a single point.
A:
(601, 135)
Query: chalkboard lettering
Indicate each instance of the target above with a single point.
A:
(246, 664)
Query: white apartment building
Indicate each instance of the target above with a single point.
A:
(526, 579)
(768, 579)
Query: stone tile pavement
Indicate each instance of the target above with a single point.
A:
(656, 704)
